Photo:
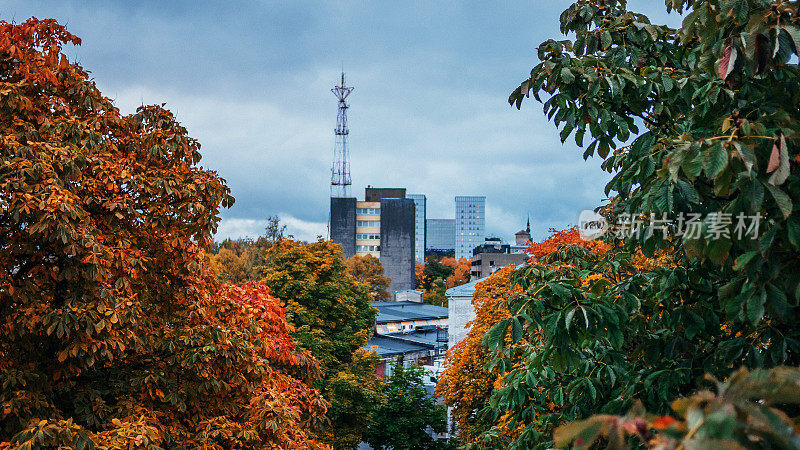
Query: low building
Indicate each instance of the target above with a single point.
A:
(407, 316)
(460, 311)
(408, 331)
(493, 255)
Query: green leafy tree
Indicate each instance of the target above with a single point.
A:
(402, 420)
(697, 120)
(332, 317)
(755, 409)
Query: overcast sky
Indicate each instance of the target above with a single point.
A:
(251, 81)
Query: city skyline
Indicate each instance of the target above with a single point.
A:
(252, 83)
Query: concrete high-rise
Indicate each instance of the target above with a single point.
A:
(470, 224)
(382, 226)
(419, 225)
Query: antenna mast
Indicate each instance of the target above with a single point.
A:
(340, 171)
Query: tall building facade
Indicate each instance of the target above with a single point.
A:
(419, 225)
(470, 224)
(382, 226)
(441, 234)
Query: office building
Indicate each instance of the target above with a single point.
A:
(381, 226)
(419, 226)
(470, 224)
(441, 235)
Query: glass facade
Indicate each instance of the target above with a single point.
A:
(441, 234)
(419, 225)
(470, 224)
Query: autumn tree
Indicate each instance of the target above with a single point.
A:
(115, 333)
(367, 269)
(333, 318)
(467, 383)
(231, 268)
(461, 267)
(691, 122)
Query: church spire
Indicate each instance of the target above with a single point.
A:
(528, 229)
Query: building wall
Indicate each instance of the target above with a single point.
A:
(441, 234)
(397, 242)
(372, 194)
(460, 313)
(343, 224)
(470, 224)
(485, 264)
(419, 225)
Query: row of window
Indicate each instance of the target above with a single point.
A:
(368, 248)
(366, 236)
(368, 223)
(368, 210)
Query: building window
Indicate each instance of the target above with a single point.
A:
(368, 210)
(368, 248)
(368, 223)
(367, 236)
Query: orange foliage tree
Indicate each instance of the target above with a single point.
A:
(367, 269)
(466, 384)
(461, 271)
(114, 331)
(557, 238)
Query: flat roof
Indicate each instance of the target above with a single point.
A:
(390, 312)
(387, 346)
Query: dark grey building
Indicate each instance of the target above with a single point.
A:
(397, 242)
(343, 224)
(383, 226)
(441, 234)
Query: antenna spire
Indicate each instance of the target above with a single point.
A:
(340, 172)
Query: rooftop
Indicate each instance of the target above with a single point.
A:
(391, 312)
(400, 343)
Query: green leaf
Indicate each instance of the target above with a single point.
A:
(794, 32)
(781, 199)
(494, 337)
(516, 329)
(718, 250)
(567, 76)
(560, 290)
(715, 161)
(568, 319)
(743, 259)
(755, 307)
(777, 299)
(793, 228)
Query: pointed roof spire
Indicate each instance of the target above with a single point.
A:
(528, 229)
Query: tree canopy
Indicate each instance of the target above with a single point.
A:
(115, 332)
(698, 126)
(367, 269)
(333, 318)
